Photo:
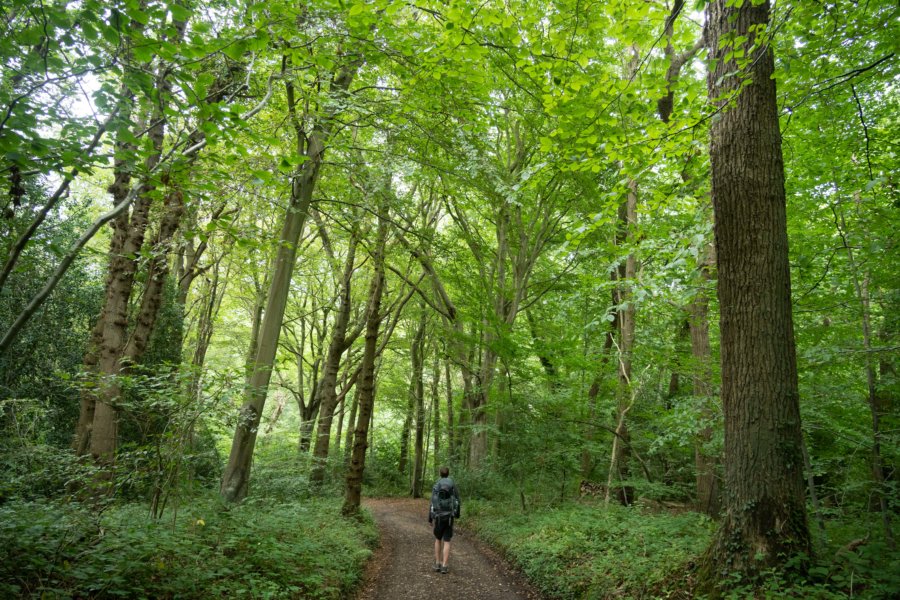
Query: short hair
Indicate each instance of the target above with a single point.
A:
(445, 471)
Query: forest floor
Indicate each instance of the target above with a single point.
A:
(401, 568)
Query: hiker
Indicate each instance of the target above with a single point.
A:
(444, 509)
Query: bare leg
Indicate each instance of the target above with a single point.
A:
(437, 551)
(446, 554)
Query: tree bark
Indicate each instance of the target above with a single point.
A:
(452, 439)
(403, 462)
(417, 389)
(764, 524)
(366, 391)
(236, 477)
(326, 392)
(621, 444)
(436, 408)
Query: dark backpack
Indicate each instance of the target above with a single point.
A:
(443, 502)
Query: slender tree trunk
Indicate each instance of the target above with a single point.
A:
(236, 477)
(366, 392)
(417, 389)
(403, 461)
(814, 497)
(436, 408)
(157, 273)
(259, 303)
(326, 392)
(351, 425)
(478, 440)
(618, 470)
(861, 286)
(587, 462)
(205, 329)
(452, 442)
(764, 524)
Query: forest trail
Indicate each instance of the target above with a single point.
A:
(401, 567)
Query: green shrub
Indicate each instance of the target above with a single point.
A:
(590, 551)
(581, 551)
(257, 549)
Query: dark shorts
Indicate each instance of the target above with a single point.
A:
(443, 528)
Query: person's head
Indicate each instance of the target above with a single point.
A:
(445, 471)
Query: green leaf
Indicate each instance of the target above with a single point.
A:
(179, 12)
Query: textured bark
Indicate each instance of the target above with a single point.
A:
(157, 272)
(236, 477)
(119, 274)
(366, 391)
(125, 246)
(764, 524)
(123, 266)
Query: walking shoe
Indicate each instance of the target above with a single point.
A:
(444, 569)
(436, 567)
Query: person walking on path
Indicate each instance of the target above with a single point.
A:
(444, 509)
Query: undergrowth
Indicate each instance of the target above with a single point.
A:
(258, 549)
(588, 551)
(579, 551)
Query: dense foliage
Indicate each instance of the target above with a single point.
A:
(285, 251)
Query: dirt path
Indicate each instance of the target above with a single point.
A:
(401, 567)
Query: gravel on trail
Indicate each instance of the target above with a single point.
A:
(401, 568)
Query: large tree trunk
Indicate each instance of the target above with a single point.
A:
(104, 431)
(764, 524)
(417, 389)
(366, 391)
